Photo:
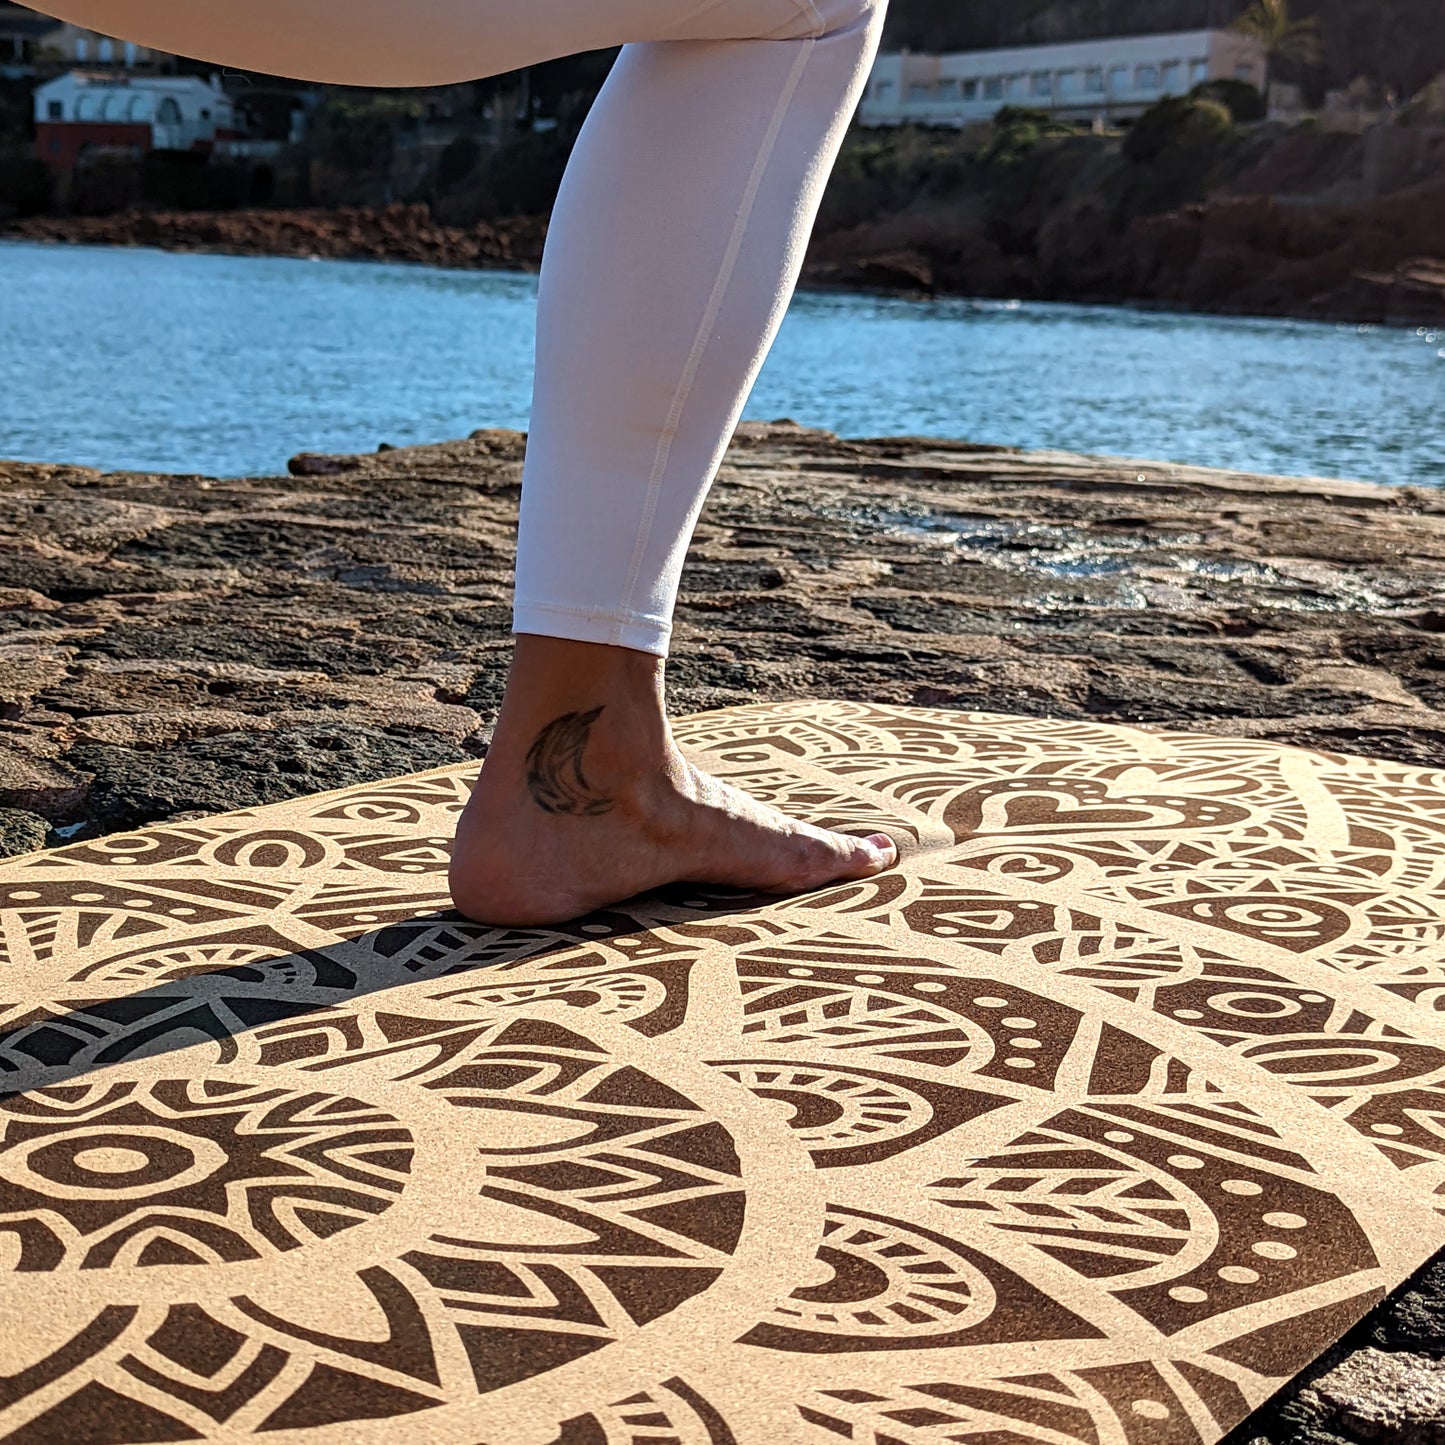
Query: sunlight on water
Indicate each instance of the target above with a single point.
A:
(1040, 549)
(224, 365)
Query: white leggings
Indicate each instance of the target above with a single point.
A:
(674, 249)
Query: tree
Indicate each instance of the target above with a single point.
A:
(356, 130)
(1297, 42)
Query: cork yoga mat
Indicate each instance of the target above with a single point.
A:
(1093, 1123)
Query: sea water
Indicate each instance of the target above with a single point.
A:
(146, 360)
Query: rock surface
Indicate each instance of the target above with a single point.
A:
(1383, 1384)
(1376, 262)
(1380, 1396)
(1373, 261)
(400, 232)
(174, 645)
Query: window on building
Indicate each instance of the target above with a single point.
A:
(948, 89)
(1094, 82)
(82, 48)
(919, 91)
(1041, 83)
(1119, 79)
(1067, 82)
(1171, 77)
(993, 88)
(1146, 77)
(205, 115)
(1018, 86)
(970, 90)
(1198, 72)
(130, 52)
(169, 112)
(884, 86)
(105, 50)
(55, 110)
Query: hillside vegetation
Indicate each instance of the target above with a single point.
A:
(1188, 210)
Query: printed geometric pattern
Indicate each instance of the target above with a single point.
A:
(1093, 1122)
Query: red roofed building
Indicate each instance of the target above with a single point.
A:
(84, 109)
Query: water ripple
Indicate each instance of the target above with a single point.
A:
(142, 359)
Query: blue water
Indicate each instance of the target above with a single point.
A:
(151, 361)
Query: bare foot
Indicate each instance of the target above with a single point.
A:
(591, 805)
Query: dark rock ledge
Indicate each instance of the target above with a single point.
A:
(179, 645)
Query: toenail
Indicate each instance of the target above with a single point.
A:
(885, 845)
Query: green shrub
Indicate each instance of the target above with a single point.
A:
(104, 182)
(518, 177)
(458, 161)
(521, 176)
(1012, 116)
(175, 180)
(358, 132)
(883, 171)
(1244, 102)
(1017, 131)
(27, 187)
(1178, 124)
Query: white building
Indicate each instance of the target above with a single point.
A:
(1116, 79)
(142, 112)
(31, 42)
(23, 33)
(79, 46)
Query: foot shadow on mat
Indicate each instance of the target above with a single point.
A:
(254, 980)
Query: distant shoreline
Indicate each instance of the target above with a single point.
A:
(1412, 294)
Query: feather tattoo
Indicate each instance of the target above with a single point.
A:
(554, 768)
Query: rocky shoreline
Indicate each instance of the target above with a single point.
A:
(1235, 256)
(351, 233)
(179, 645)
(171, 644)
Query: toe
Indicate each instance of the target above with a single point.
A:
(880, 852)
(866, 856)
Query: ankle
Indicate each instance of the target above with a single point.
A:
(626, 746)
(581, 706)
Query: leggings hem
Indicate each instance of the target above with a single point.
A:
(633, 630)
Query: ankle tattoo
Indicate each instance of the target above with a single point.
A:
(554, 768)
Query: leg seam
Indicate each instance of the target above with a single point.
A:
(714, 306)
(810, 9)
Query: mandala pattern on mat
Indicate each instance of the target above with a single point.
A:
(1101, 1116)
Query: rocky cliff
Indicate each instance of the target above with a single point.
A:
(1274, 222)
